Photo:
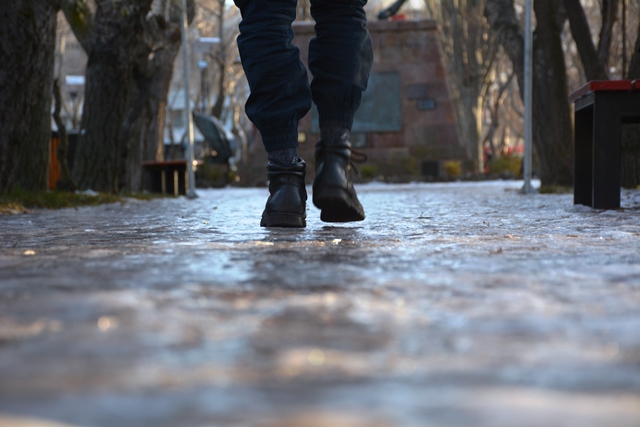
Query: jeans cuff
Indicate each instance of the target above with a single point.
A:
(279, 139)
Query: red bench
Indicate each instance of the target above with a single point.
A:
(601, 108)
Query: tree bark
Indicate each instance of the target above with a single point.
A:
(552, 137)
(218, 107)
(27, 46)
(131, 56)
(117, 27)
(153, 71)
(634, 64)
(593, 67)
(470, 56)
(631, 132)
(552, 126)
(146, 119)
(80, 19)
(609, 17)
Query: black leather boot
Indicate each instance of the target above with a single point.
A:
(333, 191)
(286, 206)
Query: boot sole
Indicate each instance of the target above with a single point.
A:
(336, 205)
(283, 220)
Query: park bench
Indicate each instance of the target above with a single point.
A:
(601, 108)
(166, 177)
(170, 177)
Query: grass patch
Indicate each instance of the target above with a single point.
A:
(20, 200)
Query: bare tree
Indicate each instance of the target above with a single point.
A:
(131, 53)
(590, 56)
(111, 39)
(609, 13)
(470, 55)
(495, 107)
(216, 19)
(143, 127)
(634, 65)
(631, 133)
(27, 46)
(220, 60)
(552, 135)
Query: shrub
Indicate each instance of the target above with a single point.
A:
(453, 168)
(506, 165)
(368, 171)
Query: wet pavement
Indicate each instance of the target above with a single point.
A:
(460, 304)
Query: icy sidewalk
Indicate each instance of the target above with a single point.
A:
(460, 304)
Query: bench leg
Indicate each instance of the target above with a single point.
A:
(583, 157)
(607, 136)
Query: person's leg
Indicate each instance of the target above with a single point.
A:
(340, 59)
(280, 96)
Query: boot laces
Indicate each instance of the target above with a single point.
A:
(355, 156)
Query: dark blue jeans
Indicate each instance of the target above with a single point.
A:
(340, 58)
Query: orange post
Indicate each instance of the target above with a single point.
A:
(55, 172)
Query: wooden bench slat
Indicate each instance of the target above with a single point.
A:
(164, 163)
(604, 85)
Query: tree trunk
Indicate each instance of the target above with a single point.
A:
(146, 137)
(609, 16)
(552, 138)
(470, 55)
(594, 68)
(218, 107)
(144, 127)
(631, 132)
(552, 126)
(156, 114)
(634, 64)
(117, 27)
(27, 46)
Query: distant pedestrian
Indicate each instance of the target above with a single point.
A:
(340, 59)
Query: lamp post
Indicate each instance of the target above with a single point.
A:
(528, 93)
(205, 47)
(204, 93)
(191, 191)
(74, 109)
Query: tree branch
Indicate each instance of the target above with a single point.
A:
(506, 27)
(609, 16)
(634, 65)
(593, 67)
(80, 19)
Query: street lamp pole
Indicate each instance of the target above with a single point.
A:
(74, 109)
(528, 93)
(191, 191)
(204, 93)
